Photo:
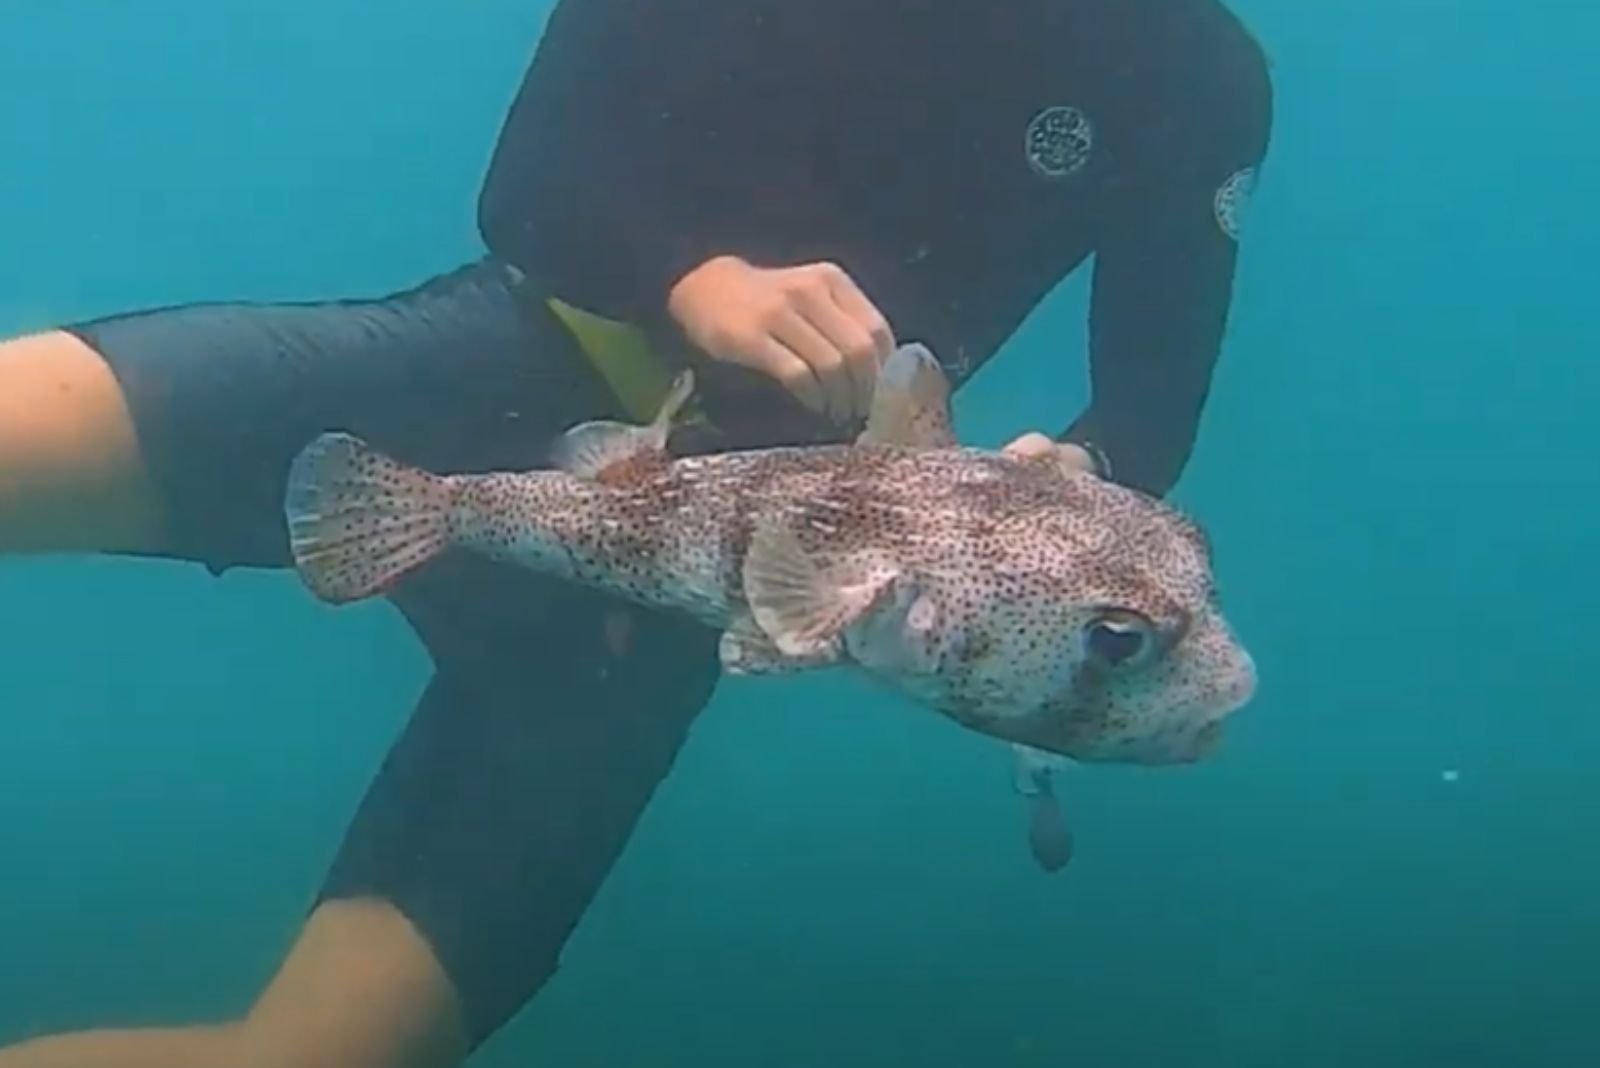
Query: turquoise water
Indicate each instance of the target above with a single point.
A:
(1397, 469)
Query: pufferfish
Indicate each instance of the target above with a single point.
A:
(1048, 608)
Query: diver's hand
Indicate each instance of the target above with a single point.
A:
(1033, 445)
(809, 327)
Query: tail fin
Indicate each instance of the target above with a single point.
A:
(359, 521)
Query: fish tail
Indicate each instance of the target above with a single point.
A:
(360, 521)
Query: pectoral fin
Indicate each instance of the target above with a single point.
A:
(803, 609)
(910, 402)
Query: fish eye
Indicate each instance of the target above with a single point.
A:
(1119, 638)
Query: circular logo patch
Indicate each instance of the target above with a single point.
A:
(1232, 200)
(1059, 141)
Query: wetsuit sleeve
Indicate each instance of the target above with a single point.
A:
(649, 137)
(1162, 286)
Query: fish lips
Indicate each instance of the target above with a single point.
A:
(1188, 735)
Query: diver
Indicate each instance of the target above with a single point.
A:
(766, 191)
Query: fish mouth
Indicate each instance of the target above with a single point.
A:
(1185, 734)
(1187, 747)
(1199, 733)
(1241, 688)
(1188, 731)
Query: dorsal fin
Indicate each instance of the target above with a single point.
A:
(590, 450)
(910, 402)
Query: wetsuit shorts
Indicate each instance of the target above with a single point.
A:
(553, 712)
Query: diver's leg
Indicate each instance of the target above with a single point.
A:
(519, 781)
(360, 989)
(177, 1048)
(71, 474)
(491, 826)
(171, 431)
(521, 775)
(166, 432)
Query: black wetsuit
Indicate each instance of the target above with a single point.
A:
(957, 157)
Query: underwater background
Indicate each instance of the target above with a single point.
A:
(1394, 859)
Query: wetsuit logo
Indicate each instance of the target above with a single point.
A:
(1059, 141)
(1232, 200)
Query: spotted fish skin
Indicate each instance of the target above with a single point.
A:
(1048, 608)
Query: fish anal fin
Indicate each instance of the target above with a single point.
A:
(910, 402)
(802, 609)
